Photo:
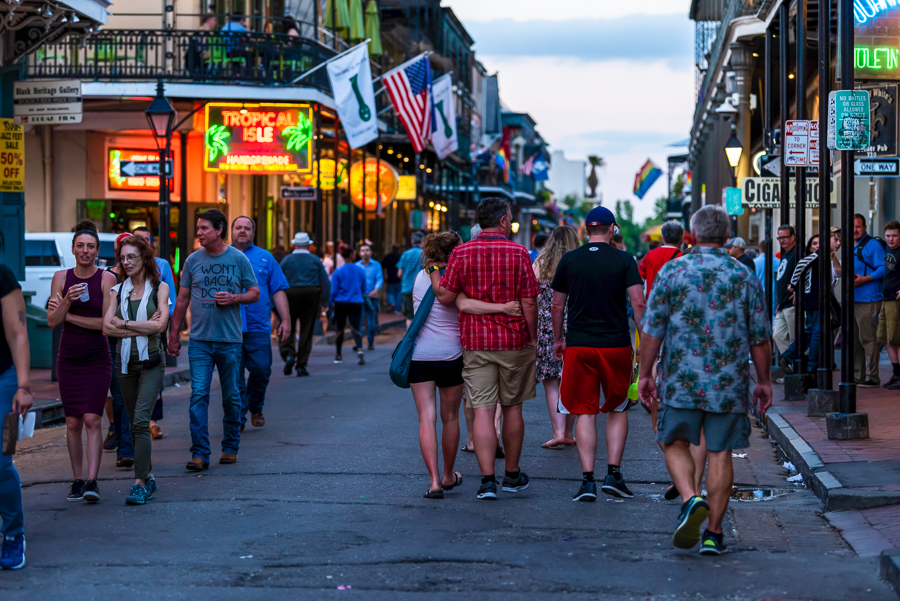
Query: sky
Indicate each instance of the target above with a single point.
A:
(603, 77)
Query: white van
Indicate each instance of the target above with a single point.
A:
(49, 252)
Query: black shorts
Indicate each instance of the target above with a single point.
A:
(445, 374)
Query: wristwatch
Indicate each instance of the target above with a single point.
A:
(432, 269)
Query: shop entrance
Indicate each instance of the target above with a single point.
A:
(117, 216)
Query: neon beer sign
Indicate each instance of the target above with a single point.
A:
(258, 138)
(863, 10)
(876, 55)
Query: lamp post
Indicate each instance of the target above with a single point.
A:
(733, 151)
(161, 117)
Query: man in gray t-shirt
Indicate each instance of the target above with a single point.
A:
(215, 281)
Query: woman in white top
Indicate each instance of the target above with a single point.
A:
(437, 364)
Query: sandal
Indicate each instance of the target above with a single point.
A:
(466, 449)
(554, 447)
(434, 494)
(459, 481)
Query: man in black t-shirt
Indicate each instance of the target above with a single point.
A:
(783, 323)
(736, 248)
(889, 320)
(391, 279)
(592, 282)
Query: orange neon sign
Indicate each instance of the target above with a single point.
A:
(378, 174)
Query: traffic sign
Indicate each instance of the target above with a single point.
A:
(47, 102)
(771, 166)
(733, 204)
(298, 192)
(796, 143)
(848, 120)
(141, 168)
(886, 167)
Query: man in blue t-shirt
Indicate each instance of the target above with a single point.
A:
(868, 265)
(256, 325)
(408, 268)
(374, 282)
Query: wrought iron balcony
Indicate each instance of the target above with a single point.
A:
(191, 56)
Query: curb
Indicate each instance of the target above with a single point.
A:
(825, 486)
(890, 568)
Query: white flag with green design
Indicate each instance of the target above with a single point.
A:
(443, 138)
(351, 83)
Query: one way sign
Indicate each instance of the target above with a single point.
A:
(140, 168)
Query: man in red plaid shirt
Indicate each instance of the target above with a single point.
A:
(498, 350)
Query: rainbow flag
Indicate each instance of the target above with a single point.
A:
(645, 178)
(503, 162)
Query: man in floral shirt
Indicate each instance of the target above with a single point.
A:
(711, 313)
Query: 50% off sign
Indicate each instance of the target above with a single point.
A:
(12, 156)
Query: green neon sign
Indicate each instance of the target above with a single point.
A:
(877, 58)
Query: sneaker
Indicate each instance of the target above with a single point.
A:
(361, 356)
(91, 492)
(151, 486)
(371, 347)
(12, 552)
(712, 544)
(587, 492)
(288, 365)
(302, 371)
(868, 383)
(517, 485)
(616, 488)
(786, 365)
(76, 492)
(488, 491)
(894, 386)
(110, 443)
(137, 496)
(891, 382)
(338, 359)
(693, 514)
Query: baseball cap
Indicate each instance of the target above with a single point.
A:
(600, 216)
(737, 241)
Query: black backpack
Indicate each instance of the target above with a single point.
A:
(862, 244)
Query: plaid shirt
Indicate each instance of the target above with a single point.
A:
(493, 270)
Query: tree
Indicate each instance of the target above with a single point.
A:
(593, 181)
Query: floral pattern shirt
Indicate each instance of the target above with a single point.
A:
(708, 310)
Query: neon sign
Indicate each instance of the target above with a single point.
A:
(378, 174)
(118, 181)
(258, 138)
(876, 58)
(863, 10)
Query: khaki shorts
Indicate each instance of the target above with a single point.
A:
(505, 377)
(889, 323)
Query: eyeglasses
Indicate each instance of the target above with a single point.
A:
(784, 237)
(130, 258)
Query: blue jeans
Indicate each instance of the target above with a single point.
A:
(811, 328)
(226, 358)
(121, 427)
(256, 357)
(370, 317)
(11, 513)
(394, 297)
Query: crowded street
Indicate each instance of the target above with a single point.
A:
(326, 503)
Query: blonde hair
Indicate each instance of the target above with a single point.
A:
(562, 240)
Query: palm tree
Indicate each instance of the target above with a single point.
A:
(593, 181)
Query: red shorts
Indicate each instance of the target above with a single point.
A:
(589, 373)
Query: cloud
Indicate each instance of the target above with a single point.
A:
(634, 37)
(470, 11)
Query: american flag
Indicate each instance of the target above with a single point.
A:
(528, 166)
(409, 87)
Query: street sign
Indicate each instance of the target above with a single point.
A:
(298, 192)
(813, 156)
(733, 204)
(796, 143)
(765, 192)
(47, 102)
(139, 168)
(771, 166)
(848, 120)
(886, 167)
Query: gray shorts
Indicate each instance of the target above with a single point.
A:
(723, 431)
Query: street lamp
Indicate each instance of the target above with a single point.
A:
(733, 151)
(161, 116)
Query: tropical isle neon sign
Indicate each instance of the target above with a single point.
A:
(864, 10)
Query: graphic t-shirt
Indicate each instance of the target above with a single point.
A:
(206, 275)
(596, 277)
(783, 278)
(8, 284)
(890, 285)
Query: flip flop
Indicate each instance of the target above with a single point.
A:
(555, 447)
(466, 449)
(434, 494)
(459, 481)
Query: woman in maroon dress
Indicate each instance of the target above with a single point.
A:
(78, 300)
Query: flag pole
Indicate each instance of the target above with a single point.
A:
(333, 58)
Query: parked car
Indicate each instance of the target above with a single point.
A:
(49, 252)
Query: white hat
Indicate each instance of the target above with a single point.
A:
(736, 241)
(301, 239)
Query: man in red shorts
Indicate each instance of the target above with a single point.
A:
(593, 282)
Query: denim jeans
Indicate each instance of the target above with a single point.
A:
(370, 317)
(256, 358)
(121, 427)
(226, 358)
(811, 329)
(11, 513)
(394, 297)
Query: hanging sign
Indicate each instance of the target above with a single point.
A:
(848, 120)
(443, 137)
(298, 192)
(258, 138)
(733, 204)
(378, 174)
(883, 135)
(406, 189)
(12, 156)
(351, 83)
(46, 102)
(765, 192)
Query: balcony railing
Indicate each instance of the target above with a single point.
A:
(193, 56)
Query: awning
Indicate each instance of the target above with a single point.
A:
(94, 10)
(655, 233)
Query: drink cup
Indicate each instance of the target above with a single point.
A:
(85, 294)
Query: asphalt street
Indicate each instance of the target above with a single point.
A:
(325, 502)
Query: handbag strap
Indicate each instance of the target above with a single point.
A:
(421, 315)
